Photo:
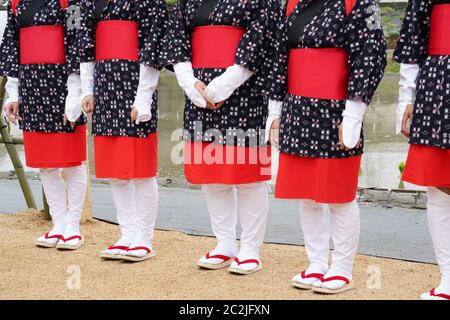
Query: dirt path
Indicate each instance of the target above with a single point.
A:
(28, 272)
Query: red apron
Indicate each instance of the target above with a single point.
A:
(320, 179)
(427, 166)
(55, 150)
(205, 162)
(439, 40)
(45, 45)
(122, 157)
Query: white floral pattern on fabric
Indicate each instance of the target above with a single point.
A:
(310, 127)
(116, 81)
(431, 119)
(246, 108)
(42, 87)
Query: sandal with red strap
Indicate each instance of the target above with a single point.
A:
(138, 254)
(305, 281)
(245, 267)
(432, 295)
(70, 243)
(116, 251)
(49, 240)
(333, 285)
(214, 261)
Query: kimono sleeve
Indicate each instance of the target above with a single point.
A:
(153, 18)
(255, 46)
(412, 45)
(277, 84)
(367, 50)
(177, 42)
(72, 28)
(9, 49)
(86, 34)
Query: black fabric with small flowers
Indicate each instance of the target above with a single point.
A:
(310, 127)
(246, 109)
(116, 81)
(42, 87)
(431, 120)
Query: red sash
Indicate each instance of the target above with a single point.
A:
(439, 41)
(318, 73)
(349, 5)
(15, 3)
(42, 44)
(116, 39)
(215, 46)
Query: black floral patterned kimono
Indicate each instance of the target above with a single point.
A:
(123, 149)
(39, 48)
(204, 37)
(425, 41)
(335, 54)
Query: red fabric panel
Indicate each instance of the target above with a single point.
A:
(15, 3)
(214, 163)
(291, 6)
(349, 5)
(116, 39)
(215, 46)
(42, 44)
(126, 157)
(439, 41)
(318, 73)
(319, 179)
(427, 166)
(55, 150)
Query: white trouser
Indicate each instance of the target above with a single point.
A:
(76, 182)
(65, 198)
(339, 222)
(136, 204)
(438, 213)
(316, 227)
(223, 201)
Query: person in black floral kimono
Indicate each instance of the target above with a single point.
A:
(423, 115)
(39, 57)
(120, 43)
(330, 58)
(219, 50)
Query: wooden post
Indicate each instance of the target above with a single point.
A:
(46, 210)
(13, 155)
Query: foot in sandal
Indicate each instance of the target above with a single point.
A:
(139, 251)
(216, 259)
(307, 278)
(440, 293)
(71, 239)
(50, 239)
(246, 263)
(117, 250)
(333, 283)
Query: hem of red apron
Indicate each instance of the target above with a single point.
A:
(148, 169)
(416, 174)
(224, 173)
(35, 142)
(227, 181)
(54, 165)
(311, 181)
(316, 199)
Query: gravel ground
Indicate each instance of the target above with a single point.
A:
(28, 272)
